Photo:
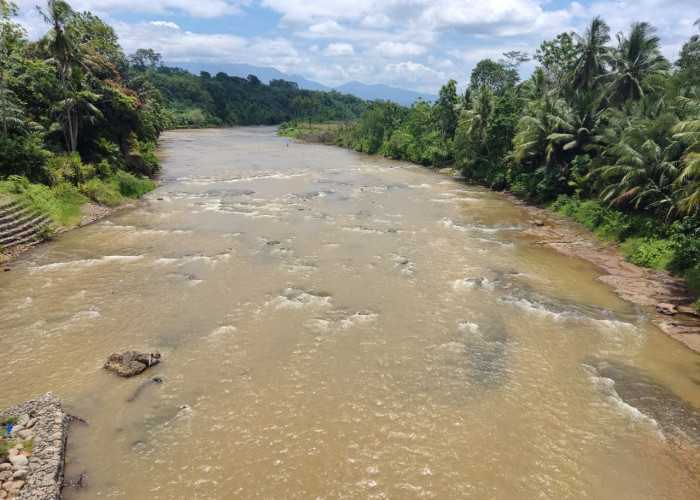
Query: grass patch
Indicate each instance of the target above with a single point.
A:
(62, 203)
(104, 193)
(7, 444)
(648, 252)
(9, 420)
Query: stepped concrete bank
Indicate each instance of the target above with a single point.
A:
(43, 471)
(19, 225)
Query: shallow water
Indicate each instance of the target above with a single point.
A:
(338, 326)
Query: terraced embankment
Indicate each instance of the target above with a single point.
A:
(19, 225)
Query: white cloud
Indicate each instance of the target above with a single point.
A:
(165, 24)
(339, 50)
(400, 50)
(325, 29)
(426, 41)
(199, 8)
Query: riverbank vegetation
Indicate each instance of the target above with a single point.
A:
(80, 118)
(606, 131)
(78, 122)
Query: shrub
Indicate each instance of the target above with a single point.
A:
(131, 186)
(102, 192)
(647, 252)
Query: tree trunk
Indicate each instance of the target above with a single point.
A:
(71, 140)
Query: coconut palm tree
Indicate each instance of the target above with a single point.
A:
(63, 54)
(536, 138)
(580, 127)
(636, 57)
(641, 162)
(592, 54)
(476, 118)
(687, 184)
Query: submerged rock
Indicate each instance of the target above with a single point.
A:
(154, 380)
(131, 363)
(677, 419)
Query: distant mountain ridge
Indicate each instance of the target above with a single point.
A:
(384, 92)
(361, 90)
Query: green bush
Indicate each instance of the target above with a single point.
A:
(647, 252)
(23, 155)
(131, 186)
(685, 242)
(143, 159)
(104, 193)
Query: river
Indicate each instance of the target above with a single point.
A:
(336, 325)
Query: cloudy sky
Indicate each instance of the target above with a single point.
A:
(412, 44)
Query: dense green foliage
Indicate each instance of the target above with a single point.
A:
(205, 101)
(609, 130)
(77, 118)
(80, 119)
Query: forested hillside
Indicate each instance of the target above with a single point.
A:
(606, 130)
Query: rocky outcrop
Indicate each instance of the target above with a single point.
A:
(39, 474)
(130, 363)
(666, 308)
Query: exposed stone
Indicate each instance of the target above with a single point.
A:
(131, 363)
(666, 308)
(5, 466)
(19, 460)
(23, 419)
(43, 470)
(5, 475)
(30, 423)
(26, 433)
(538, 223)
(16, 429)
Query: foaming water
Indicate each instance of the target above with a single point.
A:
(335, 325)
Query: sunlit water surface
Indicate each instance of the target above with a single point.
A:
(335, 325)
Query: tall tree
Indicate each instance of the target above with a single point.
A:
(687, 184)
(63, 53)
(592, 54)
(557, 58)
(10, 35)
(636, 58)
(446, 111)
(493, 74)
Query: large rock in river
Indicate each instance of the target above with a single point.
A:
(131, 363)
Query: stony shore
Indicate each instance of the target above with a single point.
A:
(638, 285)
(34, 471)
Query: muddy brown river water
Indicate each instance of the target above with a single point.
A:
(335, 325)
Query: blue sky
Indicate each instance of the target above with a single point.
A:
(412, 44)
